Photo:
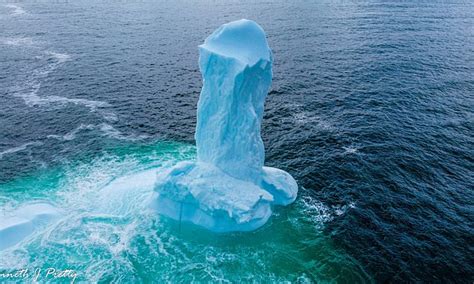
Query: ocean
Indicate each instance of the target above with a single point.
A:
(371, 110)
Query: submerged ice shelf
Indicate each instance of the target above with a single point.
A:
(228, 188)
(16, 225)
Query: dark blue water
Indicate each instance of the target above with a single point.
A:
(371, 110)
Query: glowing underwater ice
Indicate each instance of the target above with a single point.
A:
(228, 188)
(16, 225)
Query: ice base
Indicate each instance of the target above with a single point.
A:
(203, 194)
(17, 225)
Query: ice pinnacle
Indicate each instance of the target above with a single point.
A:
(228, 188)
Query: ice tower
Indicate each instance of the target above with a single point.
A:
(228, 188)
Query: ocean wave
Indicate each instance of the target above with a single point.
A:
(307, 118)
(301, 116)
(105, 205)
(112, 132)
(60, 57)
(15, 10)
(17, 41)
(109, 116)
(20, 148)
(72, 134)
(318, 213)
(32, 99)
(106, 130)
(28, 91)
(350, 149)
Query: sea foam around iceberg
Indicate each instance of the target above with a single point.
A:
(101, 227)
(227, 188)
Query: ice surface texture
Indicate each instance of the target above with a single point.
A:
(228, 188)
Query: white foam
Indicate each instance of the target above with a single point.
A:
(16, 10)
(99, 203)
(304, 117)
(71, 135)
(32, 99)
(60, 57)
(109, 116)
(318, 213)
(28, 91)
(341, 210)
(91, 104)
(315, 211)
(19, 148)
(112, 132)
(106, 129)
(350, 149)
(17, 41)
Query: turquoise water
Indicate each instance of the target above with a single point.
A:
(371, 110)
(103, 241)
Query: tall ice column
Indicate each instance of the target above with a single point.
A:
(228, 188)
(236, 66)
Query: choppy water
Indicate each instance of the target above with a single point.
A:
(371, 110)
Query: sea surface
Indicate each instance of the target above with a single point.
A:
(371, 110)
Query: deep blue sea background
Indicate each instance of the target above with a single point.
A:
(371, 110)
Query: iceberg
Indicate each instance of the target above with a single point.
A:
(228, 188)
(19, 224)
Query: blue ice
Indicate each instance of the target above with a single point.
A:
(228, 188)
